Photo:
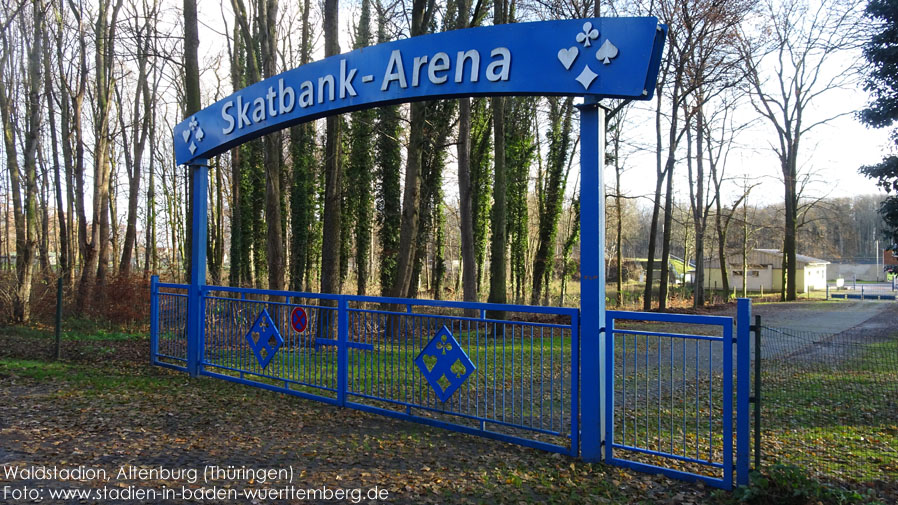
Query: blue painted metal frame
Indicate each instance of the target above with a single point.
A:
(342, 394)
(743, 385)
(156, 356)
(592, 273)
(199, 172)
(726, 324)
(154, 319)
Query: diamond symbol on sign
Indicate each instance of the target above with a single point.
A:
(444, 364)
(264, 339)
(586, 77)
(192, 148)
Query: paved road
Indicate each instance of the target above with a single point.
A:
(821, 317)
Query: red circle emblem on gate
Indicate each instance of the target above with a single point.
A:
(298, 319)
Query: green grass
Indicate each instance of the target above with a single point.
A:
(91, 380)
(843, 419)
(75, 329)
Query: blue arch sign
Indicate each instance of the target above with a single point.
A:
(601, 57)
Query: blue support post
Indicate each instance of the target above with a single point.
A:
(592, 278)
(199, 172)
(743, 387)
(154, 318)
(342, 349)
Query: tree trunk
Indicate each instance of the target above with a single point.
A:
(469, 273)
(656, 208)
(411, 202)
(331, 245)
(62, 257)
(498, 288)
(791, 209)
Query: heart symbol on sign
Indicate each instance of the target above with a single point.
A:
(186, 135)
(567, 56)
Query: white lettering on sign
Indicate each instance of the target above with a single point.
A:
(498, 70)
(394, 72)
(243, 112)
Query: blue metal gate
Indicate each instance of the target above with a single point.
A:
(669, 393)
(508, 372)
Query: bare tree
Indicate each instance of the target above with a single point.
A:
(793, 64)
(28, 48)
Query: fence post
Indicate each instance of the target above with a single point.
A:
(592, 279)
(342, 351)
(154, 318)
(757, 397)
(58, 319)
(743, 387)
(196, 318)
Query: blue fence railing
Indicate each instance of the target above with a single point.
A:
(510, 372)
(168, 321)
(880, 291)
(505, 371)
(669, 395)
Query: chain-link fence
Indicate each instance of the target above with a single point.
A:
(830, 403)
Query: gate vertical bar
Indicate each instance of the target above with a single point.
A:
(154, 318)
(592, 278)
(342, 351)
(743, 386)
(199, 172)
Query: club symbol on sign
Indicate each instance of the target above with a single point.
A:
(443, 345)
(588, 35)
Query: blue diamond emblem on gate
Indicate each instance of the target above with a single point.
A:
(444, 364)
(264, 339)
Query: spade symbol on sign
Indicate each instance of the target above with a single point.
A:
(607, 52)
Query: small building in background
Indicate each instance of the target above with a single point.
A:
(890, 262)
(765, 272)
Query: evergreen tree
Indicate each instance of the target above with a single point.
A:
(520, 149)
(388, 160)
(881, 52)
(481, 179)
(559, 139)
(359, 167)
